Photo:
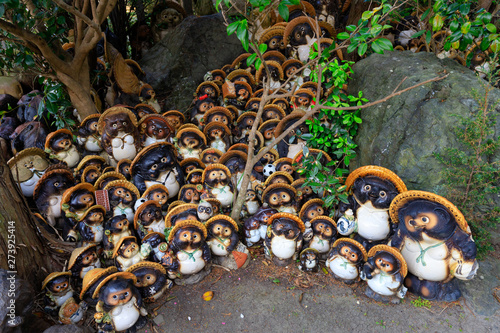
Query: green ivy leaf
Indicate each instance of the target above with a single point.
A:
(231, 28)
(428, 37)
(491, 28)
(418, 34)
(283, 10)
(251, 59)
(343, 35)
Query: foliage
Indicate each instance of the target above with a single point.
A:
(419, 303)
(367, 31)
(57, 104)
(473, 179)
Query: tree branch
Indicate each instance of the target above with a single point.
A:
(78, 14)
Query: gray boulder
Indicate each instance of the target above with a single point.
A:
(404, 133)
(16, 301)
(176, 65)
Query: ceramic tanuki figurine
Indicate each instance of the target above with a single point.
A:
(309, 260)
(91, 225)
(190, 142)
(324, 233)
(210, 156)
(148, 218)
(217, 181)
(123, 167)
(90, 174)
(256, 226)
(384, 273)
(311, 209)
(57, 291)
(157, 164)
(280, 197)
(127, 253)
(119, 307)
(92, 280)
(174, 118)
(119, 135)
(154, 128)
(77, 199)
(82, 260)
(207, 207)
(292, 143)
(208, 89)
(283, 238)
(244, 125)
(251, 204)
(48, 194)
(59, 145)
(189, 194)
(201, 106)
(122, 197)
(346, 259)
(158, 193)
(267, 129)
(152, 280)
(158, 245)
(218, 135)
(181, 212)
(367, 214)
(72, 312)
(27, 167)
(194, 177)
(436, 242)
(107, 178)
(115, 229)
(219, 114)
(190, 251)
(88, 135)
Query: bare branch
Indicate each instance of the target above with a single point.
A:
(77, 13)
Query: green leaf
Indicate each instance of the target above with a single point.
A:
(424, 15)
(466, 27)
(428, 37)
(28, 60)
(2, 10)
(343, 35)
(262, 48)
(61, 20)
(376, 48)
(258, 62)
(366, 15)
(352, 47)
(232, 27)
(454, 25)
(490, 27)
(418, 34)
(485, 44)
(283, 10)
(464, 9)
(251, 59)
(385, 44)
(362, 49)
(350, 28)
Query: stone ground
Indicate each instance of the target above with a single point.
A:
(263, 297)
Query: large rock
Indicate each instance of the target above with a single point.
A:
(177, 64)
(405, 132)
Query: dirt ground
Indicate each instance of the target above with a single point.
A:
(265, 298)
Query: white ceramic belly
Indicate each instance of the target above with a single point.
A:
(263, 231)
(72, 157)
(252, 207)
(158, 226)
(341, 269)
(28, 186)
(382, 284)
(55, 205)
(319, 244)
(224, 195)
(125, 316)
(60, 300)
(254, 236)
(219, 144)
(217, 248)
(435, 259)
(93, 144)
(283, 248)
(373, 224)
(123, 148)
(150, 141)
(287, 209)
(190, 265)
(129, 212)
(188, 153)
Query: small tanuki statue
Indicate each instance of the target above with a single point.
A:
(436, 242)
(27, 167)
(384, 273)
(128, 252)
(256, 225)
(122, 197)
(152, 280)
(148, 218)
(119, 135)
(88, 136)
(190, 142)
(324, 233)
(59, 145)
(283, 238)
(119, 307)
(190, 253)
(280, 197)
(90, 227)
(115, 229)
(309, 260)
(217, 182)
(154, 128)
(346, 259)
(58, 290)
(218, 136)
(373, 188)
(224, 242)
(82, 260)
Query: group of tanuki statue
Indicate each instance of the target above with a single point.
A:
(146, 196)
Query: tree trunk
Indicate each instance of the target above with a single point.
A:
(78, 85)
(18, 232)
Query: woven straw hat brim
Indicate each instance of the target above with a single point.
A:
(324, 218)
(51, 136)
(216, 124)
(395, 252)
(235, 62)
(241, 72)
(222, 109)
(113, 110)
(377, 171)
(219, 217)
(277, 174)
(213, 167)
(209, 83)
(47, 175)
(270, 33)
(120, 242)
(88, 158)
(177, 210)
(403, 198)
(144, 151)
(26, 152)
(267, 124)
(146, 264)
(175, 113)
(355, 243)
(82, 186)
(187, 223)
(308, 204)
(141, 208)
(52, 276)
(232, 153)
(275, 107)
(299, 222)
(123, 275)
(93, 275)
(124, 183)
(76, 252)
(276, 54)
(106, 175)
(287, 121)
(192, 160)
(274, 186)
(191, 130)
(296, 21)
(261, 70)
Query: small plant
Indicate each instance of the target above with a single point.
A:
(55, 104)
(472, 177)
(380, 323)
(419, 303)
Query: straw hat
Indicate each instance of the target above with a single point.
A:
(77, 252)
(377, 171)
(289, 216)
(187, 223)
(114, 276)
(114, 110)
(52, 276)
(52, 135)
(126, 184)
(213, 167)
(308, 204)
(353, 242)
(219, 217)
(93, 276)
(395, 252)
